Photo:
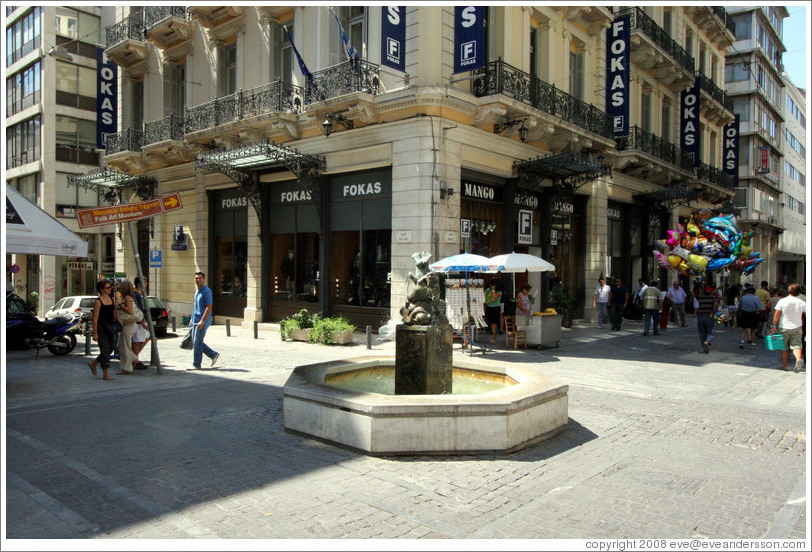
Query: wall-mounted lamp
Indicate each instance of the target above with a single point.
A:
(445, 191)
(499, 128)
(330, 119)
(645, 174)
(60, 52)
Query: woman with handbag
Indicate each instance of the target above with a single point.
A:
(104, 328)
(128, 315)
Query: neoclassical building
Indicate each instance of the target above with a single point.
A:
(313, 183)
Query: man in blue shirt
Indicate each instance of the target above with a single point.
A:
(201, 320)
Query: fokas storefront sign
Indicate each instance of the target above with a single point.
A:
(689, 121)
(106, 98)
(469, 38)
(617, 74)
(731, 149)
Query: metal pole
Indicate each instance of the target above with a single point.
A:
(228, 327)
(174, 325)
(256, 330)
(154, 360)
(88, 336)
(369, 337)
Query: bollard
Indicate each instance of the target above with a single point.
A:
(256, 330)
(369, 337)
(228, 327)
(174, 325)
(88, 337)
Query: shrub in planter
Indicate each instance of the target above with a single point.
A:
(332, 331)
(302, 320)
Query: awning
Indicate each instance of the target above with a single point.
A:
(667, 198)
(568, 170)
(110, 183)
(32, 231)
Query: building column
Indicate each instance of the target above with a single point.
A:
(597, 257)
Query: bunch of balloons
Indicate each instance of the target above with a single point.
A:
(707, 243)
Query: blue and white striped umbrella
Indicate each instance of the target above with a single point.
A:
(464, 262)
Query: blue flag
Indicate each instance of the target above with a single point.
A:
(302, 65)
(349, 49)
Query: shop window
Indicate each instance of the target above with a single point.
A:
(229, 214)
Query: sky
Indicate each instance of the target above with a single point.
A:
(796, 58)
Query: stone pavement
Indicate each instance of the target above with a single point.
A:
(663, 441)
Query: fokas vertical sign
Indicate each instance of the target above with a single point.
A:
(731, 149)
(469, 38)
(617, 74)
(106, 98)
(393, 37)
(689, 121)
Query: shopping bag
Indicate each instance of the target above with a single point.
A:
(774, 342)
(187, 341)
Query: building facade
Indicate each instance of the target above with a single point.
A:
(310, 184)
(51, 56)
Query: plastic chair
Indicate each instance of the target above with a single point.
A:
(510, 330)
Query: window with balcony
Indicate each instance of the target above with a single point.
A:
(23, 142)
(137, 105)
(533, 51)
(712, 148)
(174, 89)
(75, 86)
(282, 62)
(23, 89)
(354, 21)
(577, 71)
(227, 70)
(689, 42)
(665, 117)
(668, 21)
(76, 140)
(703, 66)
(645, 111)
(24, 36)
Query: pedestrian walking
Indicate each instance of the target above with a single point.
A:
(707, 302)
(493, 307)
(732, 297)
(104, 331)
(618, 301)
(126, 313)
(789, 316)
(651, 299)
(601, 301)
(750, 311)
(763, 294)
(677, 297)
(636, 311)
(666, 311)
(141, 336)
(200, 322)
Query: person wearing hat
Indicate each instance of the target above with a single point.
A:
(523, 306)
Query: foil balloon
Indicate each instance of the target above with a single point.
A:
(662, 260)
(673, 239)
(692, 228)
(661, 246)
(716, 264)
(697, 262)
(680, 252)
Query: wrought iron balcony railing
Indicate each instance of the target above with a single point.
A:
(498, 77)
(356, 75)
(130, 139)
(715, 176)
(706, 84)
(153, 14)
(639, 139)
(129, 27)
(721, 13)
(277, 96)
(169, 128)
(642, 22)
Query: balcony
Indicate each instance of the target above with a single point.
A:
(721, 13)
(712, 184)
(646, 154)
(124, 150)
(163, 142)
(714, 22)
(221, 22)
(593, 18)
(354, 76)
(261, 111)
(170, 29)
(720, 108)
(560, 112)
(656, 52)
(127, 47)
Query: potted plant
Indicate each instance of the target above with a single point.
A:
(298, 326)
(563, 303)
(335, 330)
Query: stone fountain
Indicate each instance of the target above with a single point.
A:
(439, 406)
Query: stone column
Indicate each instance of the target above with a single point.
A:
(597, 247)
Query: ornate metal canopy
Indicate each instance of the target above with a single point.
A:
(568, 170)
(244, 164)
(667, 199)
(110, 183)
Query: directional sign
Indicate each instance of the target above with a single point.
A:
(127, 212)
(155, 260)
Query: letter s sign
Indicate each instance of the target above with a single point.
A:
(469, 38)
(393, 37)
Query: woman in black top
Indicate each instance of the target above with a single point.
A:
(103, 318)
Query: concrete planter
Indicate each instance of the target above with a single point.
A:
(343, 338)
(300, 335)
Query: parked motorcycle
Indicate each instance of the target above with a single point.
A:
(58, 335)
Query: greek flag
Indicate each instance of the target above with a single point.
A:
(349, 49)
(302, 65)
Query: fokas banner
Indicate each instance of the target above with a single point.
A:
(689, 121)
(617, 74)
(393, 37)
(106, 98)
(469, 38)
(731, 149)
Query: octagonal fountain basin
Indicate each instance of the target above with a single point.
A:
(494, 407)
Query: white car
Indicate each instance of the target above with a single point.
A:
(74, 304)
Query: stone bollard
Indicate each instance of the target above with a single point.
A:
(256, 330)
(369, 337)
(228, 327)
(174, 325)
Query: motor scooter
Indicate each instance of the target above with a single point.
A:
(58, 335)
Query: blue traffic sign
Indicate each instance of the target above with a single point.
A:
(155, 260)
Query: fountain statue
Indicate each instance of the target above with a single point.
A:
(424, 340)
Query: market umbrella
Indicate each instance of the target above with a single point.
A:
(512, 263)
(32, 231)
(464, 263)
